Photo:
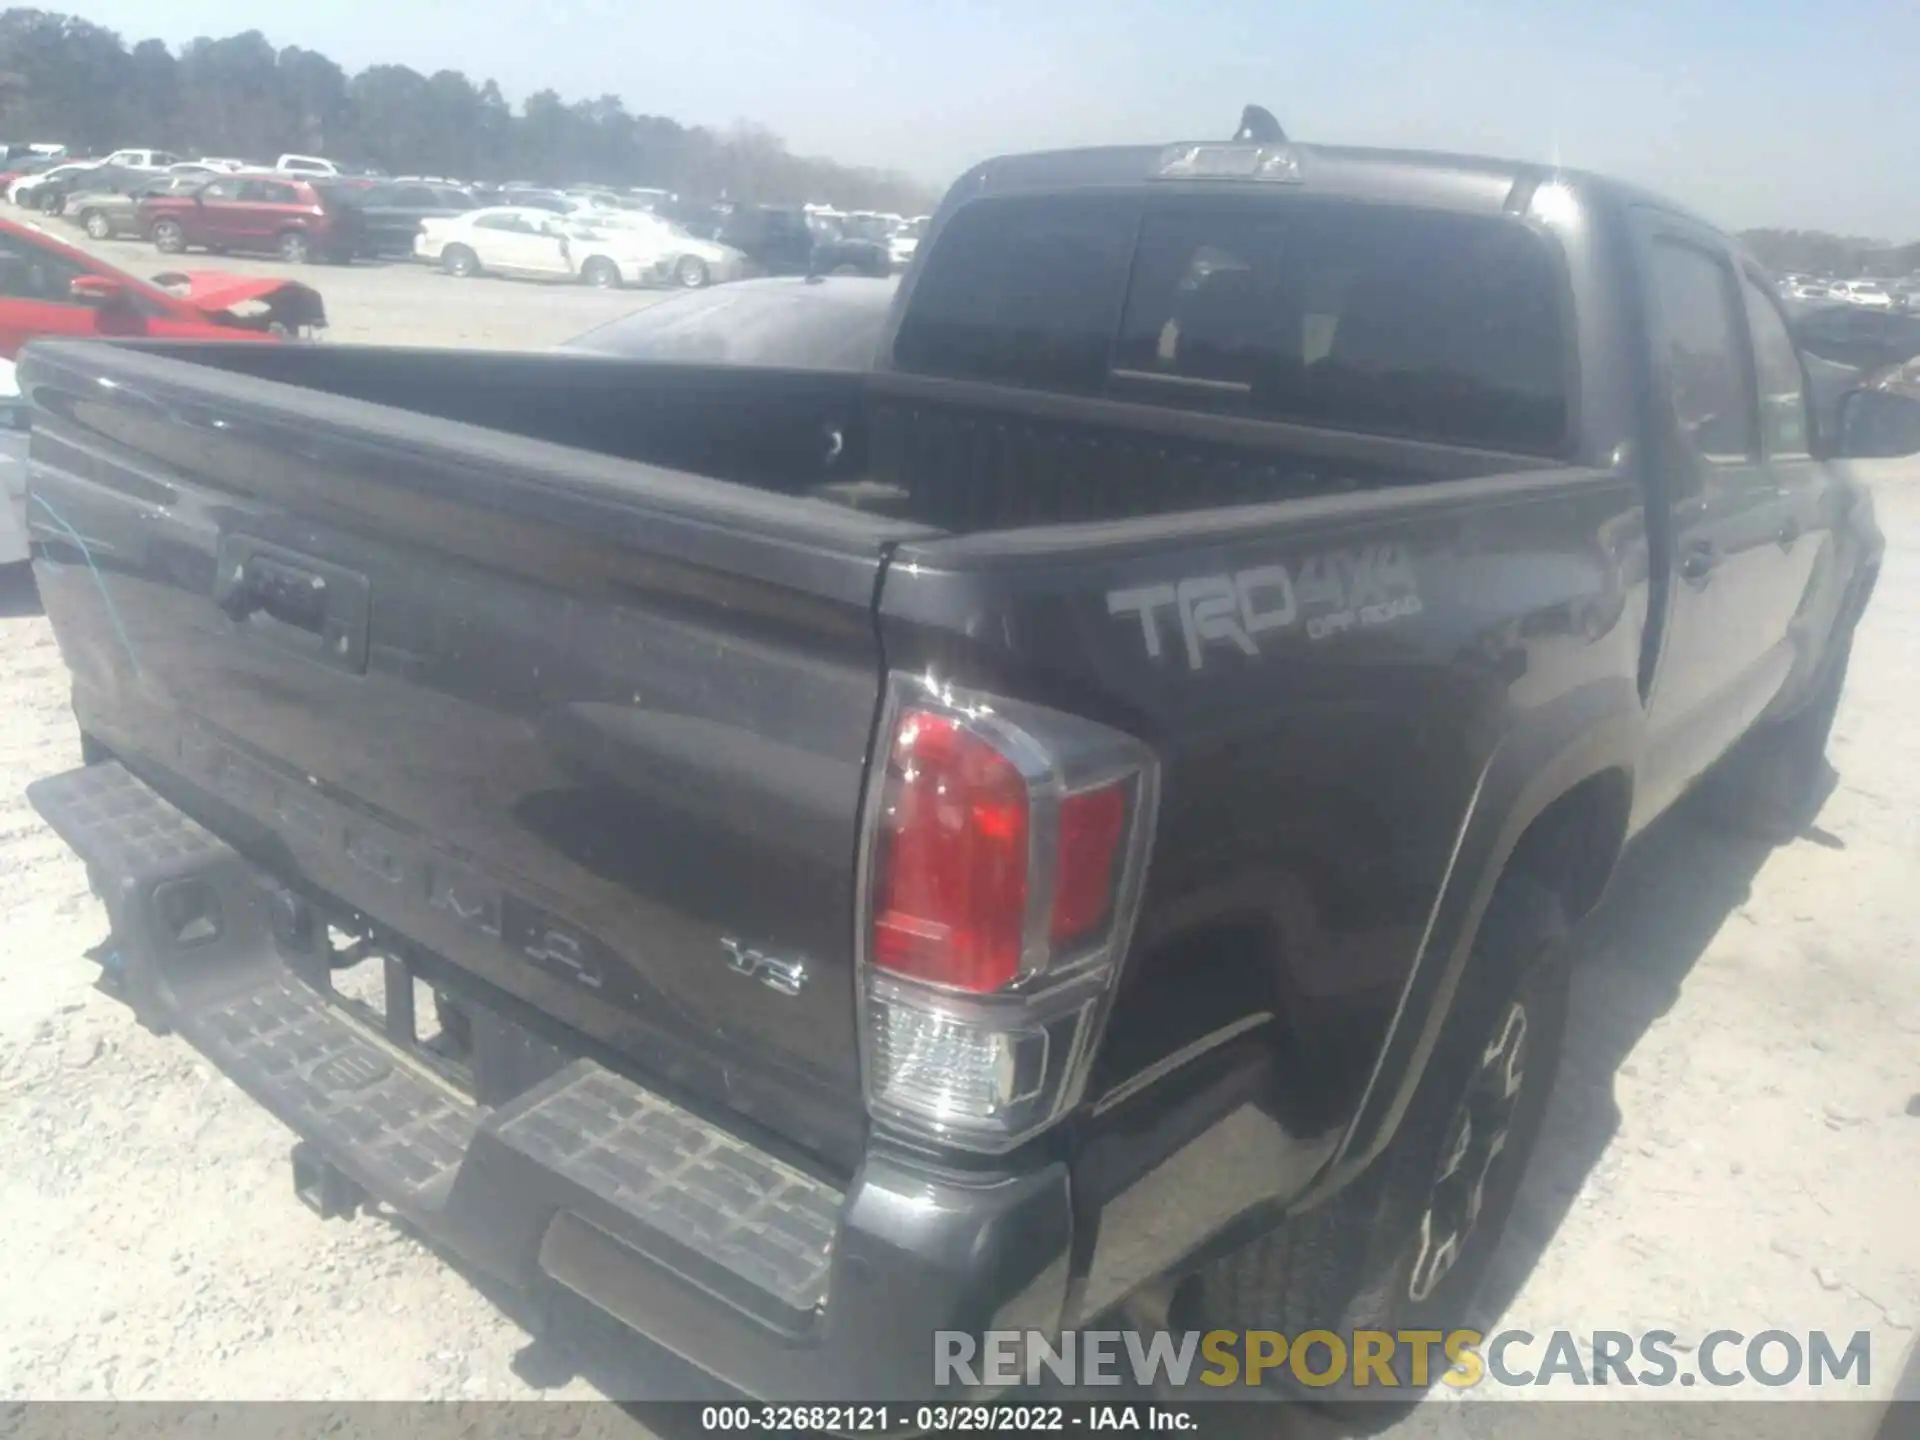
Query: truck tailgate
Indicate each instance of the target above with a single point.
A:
(590, 731)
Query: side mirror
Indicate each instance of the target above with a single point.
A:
(96, 290)
(1879, 425)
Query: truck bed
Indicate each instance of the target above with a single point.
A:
(585, 704)
(956, 456)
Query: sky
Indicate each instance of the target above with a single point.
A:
(1757, 113)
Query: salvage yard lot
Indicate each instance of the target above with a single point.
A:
(403, 302)
(1729, 1146)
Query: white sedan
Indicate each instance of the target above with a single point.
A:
(1866, 292)
(516, 240)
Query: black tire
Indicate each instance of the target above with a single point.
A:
(690, 272)
(460, 261)
(1771, 784)
(1369, 1257)
(601, 273)
(96, 224)
(294, 247)
(168, 237)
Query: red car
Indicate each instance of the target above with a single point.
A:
(298, 220)
(50, 288)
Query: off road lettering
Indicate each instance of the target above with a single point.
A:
(1329, 594)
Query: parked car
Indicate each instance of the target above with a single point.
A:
(111, 214)
(783, 240)
(1131, 855)
(21, 168)
(221, 162)
(143, 159)
(50, 197)
(851, 245)
(298, 220)
(903, 242)
(28, 190)
(512, 240)
(392, 212)
(816, 323)
(50, 288)
(610, 249)
(1871, 293)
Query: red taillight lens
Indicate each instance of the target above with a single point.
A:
(1092, 826)
(950, 872)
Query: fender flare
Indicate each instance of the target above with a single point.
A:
(1586, 733)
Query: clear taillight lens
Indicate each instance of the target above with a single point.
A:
(1006, 847)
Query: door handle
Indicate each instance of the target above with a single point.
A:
(1698, 562)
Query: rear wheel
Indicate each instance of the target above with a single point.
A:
(691, 273)
(168, 237)
(459, 260)
(1408, 1243)
(295, 248)
(601, 273)
(97, 225)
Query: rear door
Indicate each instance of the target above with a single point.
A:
(271, 206)
(507, 241)
(220, 217)
(1724, 655)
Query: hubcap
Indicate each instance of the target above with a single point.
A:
(1476, 1139)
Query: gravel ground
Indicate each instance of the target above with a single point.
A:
(403, 303)
(1730, 1145)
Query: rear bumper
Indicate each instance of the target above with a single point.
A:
(776, 1281)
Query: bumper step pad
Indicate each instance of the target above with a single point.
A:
(196, 954)
(696, 1185)
(397, 1131)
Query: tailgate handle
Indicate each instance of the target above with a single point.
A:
(312, 607)
(289, 594)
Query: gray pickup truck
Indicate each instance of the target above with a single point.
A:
(1080, 815)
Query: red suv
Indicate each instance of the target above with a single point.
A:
(297, 220)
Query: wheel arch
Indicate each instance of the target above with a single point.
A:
(1553, 804)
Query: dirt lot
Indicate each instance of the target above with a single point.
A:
(1731, 1145)
(401, 302)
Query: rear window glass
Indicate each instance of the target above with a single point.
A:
(1025, 292)
(1360, 317)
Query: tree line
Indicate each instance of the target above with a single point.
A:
(1814, 252)
(69, 81)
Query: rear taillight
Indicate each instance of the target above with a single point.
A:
(1005, 849)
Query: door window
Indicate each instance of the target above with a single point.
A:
(1705, 357)
(269, 192)
(1784, 431)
